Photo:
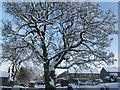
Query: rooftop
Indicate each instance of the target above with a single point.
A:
(77, 70)
(112, 69)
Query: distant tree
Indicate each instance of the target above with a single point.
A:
(15, 51)
(24, 76)
(59, 32)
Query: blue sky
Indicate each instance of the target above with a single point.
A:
(104, 6)
(114, 7)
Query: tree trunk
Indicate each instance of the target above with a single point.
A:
(48, 86)
(53, 77)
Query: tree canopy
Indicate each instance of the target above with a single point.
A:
(56, 32)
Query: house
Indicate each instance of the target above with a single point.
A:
(111, 72)
(4, 78)
(80, 75)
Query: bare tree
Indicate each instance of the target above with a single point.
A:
(14, 51)
(57, 32)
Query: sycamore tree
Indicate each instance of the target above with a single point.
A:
(59, 32)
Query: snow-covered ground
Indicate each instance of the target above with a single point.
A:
(110, 86)
(88, 87)
(4, 87)
(40, 86)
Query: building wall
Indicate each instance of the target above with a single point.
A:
(118, 73)
(85, 75)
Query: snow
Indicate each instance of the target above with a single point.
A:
(109, 85)
(99, 80)
(88, 82)
(39, 81)
(4, 87)
(107, 77)
(52, 82)
(112, 69)
(74, 86)
(88, 87)
(17, 86)
(4, 74)
(61, 87)
(72, 70)
(114, 74)
(40, 86)
(32, 24)
(32, 82)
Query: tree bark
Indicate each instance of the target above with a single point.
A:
(53, 77)
(47, 76)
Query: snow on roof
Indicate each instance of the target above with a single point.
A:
(4, 74)
(114, 74)
(32, 82)
(77, 70)
(112, 69)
